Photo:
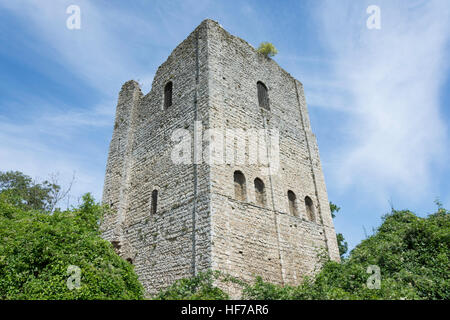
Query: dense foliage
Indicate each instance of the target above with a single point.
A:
(21, 191)
(40, 246)
(412, 254)
(37, 249)
(267, 49)
(201, 287)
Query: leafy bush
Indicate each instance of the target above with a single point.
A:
(267, 49)
(411, 252)
(201, 287)
(36, 249)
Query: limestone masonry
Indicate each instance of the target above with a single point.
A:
(172, 220)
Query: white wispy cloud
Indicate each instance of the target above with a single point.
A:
(40, 160)
(390, 84)
(96, 117)
(56, 136)
(385, 82)
(114, 44)
(57, 140)
(97, 53)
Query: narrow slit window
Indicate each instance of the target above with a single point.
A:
(292, 203)
(154, 201)
(309, 208)
(168, 95)
(260, 192)
(263, 96)
(239, 186)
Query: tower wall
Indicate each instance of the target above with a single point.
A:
(199, 224)
(118, 169)
(250, 239)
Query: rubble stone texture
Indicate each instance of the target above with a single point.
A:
(200, 223)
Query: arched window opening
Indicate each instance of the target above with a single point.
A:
(116, 245)
(239, 186)
(154, 201)
(263, 96)
(168, 95)
(292, 203)
(309, 208)
(260, 192)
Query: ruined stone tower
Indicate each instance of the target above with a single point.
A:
(173, 219)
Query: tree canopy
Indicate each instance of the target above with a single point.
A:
(40, 252)
(25, 193)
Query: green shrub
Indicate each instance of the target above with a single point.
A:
(36, 249)
(411, 252)
(267, 49)
(201, 287)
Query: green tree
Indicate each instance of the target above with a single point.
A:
(334, 209)
(342, 244)
(267, 49)
(21, 191)
(37, 250)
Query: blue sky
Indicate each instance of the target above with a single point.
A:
(378, 99)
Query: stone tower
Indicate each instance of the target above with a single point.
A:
(172, 218)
